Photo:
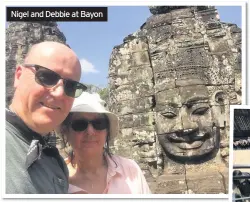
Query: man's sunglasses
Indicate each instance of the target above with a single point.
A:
(82, 124)
(48, 78)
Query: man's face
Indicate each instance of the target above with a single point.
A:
(41, 108)
(184, 122)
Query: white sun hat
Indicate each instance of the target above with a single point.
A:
(92, 103)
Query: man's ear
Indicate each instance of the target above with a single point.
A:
(18, 73)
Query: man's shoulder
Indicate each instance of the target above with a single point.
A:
(16, 149)
(10, 129)
(17, 178)
(14, 138)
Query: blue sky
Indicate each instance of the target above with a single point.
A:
(93, 41)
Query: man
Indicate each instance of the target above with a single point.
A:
(45, 88)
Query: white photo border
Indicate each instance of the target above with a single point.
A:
(65, 3)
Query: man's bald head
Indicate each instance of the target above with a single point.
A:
(42, 108)
(46, 45)
(50, 48)
(62, 54)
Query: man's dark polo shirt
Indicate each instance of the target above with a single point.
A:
(37, 173)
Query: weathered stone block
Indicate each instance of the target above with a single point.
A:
(220, 71)
(119, 63)
(145, 156)
(213, 25)
(171, 184)
(218, 45)
(208, 15)
(190, 69)
(165, 80)
(156, 10)
(134, 106)
(133, 91)
(137, 120)
(206, 182)
(189, 42)
(126, 121)
(163, 62)
(161, 33)
(135, 45)
(141, 58)
(166, 45)
(158, 20)
(131, 75)
(182, 13)
(121, 149)
(216, 33)
(170, 97)
(182, 28)
(144, 135)
(174, 167)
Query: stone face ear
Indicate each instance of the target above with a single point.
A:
(220, 98)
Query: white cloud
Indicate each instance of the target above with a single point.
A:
(87, 67)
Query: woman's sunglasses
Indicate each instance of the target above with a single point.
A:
(49, 78)
(82, 124)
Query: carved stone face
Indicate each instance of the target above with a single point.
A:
(184, 122)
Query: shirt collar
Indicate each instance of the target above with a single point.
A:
(113, 166)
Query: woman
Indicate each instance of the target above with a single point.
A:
(92, 168)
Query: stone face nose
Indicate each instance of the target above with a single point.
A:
(187, 121)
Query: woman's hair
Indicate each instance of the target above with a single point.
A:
(64, 132)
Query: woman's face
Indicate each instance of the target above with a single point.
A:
(91, 140)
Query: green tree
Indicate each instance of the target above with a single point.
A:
(104, 94)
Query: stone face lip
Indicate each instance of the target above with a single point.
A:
(155, 10)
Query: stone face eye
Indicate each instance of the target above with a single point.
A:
(200, 111)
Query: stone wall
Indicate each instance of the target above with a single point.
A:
(171, 84)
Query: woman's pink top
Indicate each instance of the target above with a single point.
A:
(125, 178)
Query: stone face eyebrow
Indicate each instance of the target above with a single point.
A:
(197, 99)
